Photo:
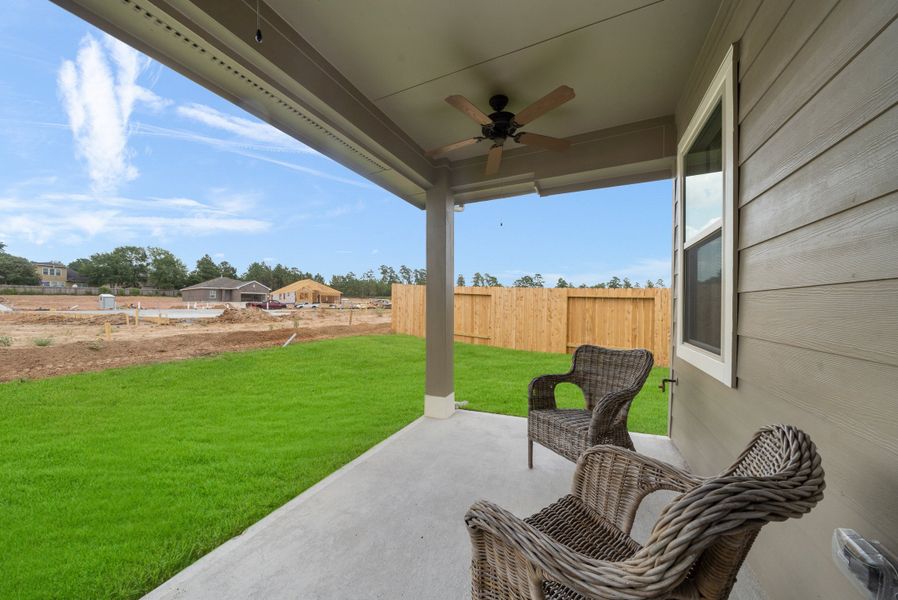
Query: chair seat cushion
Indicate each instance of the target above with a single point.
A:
(568, 521)
(564, 430)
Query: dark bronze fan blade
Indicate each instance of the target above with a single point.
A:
(551, 100)
(493, 160)
(543, 141)
(467, 107)
(452, 146)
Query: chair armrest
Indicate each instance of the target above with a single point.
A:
(541, 394)
(524, 554)
(609, 413)
(613, 481)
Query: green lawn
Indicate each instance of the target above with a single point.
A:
(112, 482)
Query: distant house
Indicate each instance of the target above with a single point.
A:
(52, 274)
(307, 290)
(225, 289)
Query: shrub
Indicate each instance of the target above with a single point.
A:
(135, 291)
(105, 290)
(5, 341)
(9, 292)
(95, 345)
(42, 342)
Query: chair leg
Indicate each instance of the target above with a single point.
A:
(529, 453)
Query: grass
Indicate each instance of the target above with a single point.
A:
(42, 342)
(112, 482)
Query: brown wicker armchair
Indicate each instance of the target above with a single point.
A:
(580, 546)
(610, 379)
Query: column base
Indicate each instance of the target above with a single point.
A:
(439, 407)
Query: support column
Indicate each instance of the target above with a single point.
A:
(439, 387)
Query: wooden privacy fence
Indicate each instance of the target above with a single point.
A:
(548, 320)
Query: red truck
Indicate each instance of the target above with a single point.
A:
(267, 305)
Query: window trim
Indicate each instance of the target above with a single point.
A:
(721, 89)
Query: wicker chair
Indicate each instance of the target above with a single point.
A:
(580, 546)
(610, 379)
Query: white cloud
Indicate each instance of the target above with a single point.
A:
(99, 91)
(302, 169)
(256, 131)
(72, 218)
(322, 212)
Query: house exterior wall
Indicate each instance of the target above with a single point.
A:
(52, 275)
(253, 288)
(817, 270)
(204, 296)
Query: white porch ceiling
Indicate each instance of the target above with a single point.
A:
(626, 59)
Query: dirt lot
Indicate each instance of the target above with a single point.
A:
(62, 302)
(37, 344)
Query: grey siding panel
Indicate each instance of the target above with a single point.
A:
(844, 33)
(860, 92)
(823, 382)
(857, 170)
(760, 33)
(859, 245)
(817, 273)
(852, 319)
(789, 35)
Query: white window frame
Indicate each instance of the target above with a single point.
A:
(722, 89)
(213, 294)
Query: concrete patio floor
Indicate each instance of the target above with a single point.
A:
(390, 524)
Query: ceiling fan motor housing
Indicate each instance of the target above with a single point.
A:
(503, 125)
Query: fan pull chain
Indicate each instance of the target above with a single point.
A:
(258, 23)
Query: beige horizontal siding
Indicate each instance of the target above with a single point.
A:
(817, 317)
(858, 244)
(857, 170)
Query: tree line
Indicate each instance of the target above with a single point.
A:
(135, 266)
(537, 281)
(16, 270)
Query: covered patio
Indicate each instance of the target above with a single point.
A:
(348, 537)
(792, 105)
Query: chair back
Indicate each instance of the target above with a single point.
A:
(603, 370)
(708, 531)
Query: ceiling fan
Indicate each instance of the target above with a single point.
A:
(501, 125)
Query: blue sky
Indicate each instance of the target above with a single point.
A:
(101, 147)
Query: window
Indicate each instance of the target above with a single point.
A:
(706, 214)
(213, 294)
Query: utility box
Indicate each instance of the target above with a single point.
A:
(107, 301)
